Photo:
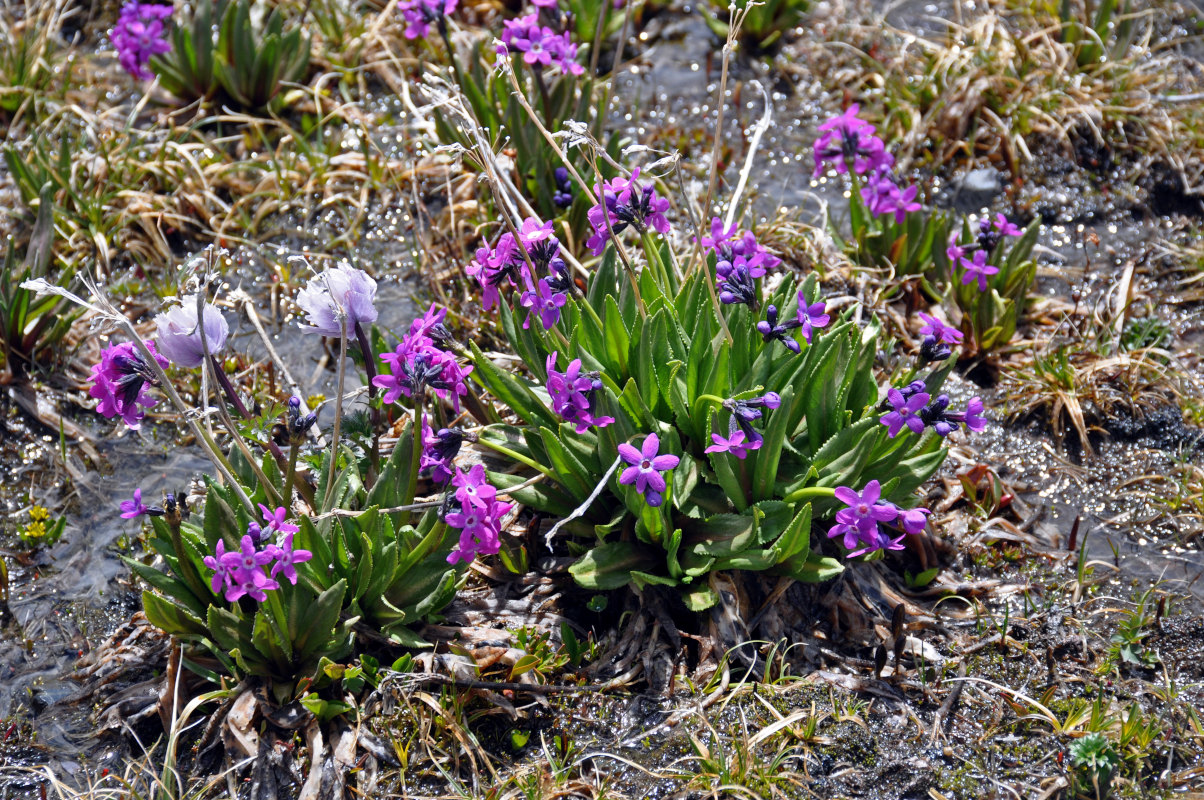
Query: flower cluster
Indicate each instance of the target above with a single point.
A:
(121, 382)
(239, 573)
(296, 426)
(575, 394)
(418, 362)
(179, 335)
(510, 261)
(859, 521)
(479, 516)
(140, 33)
(421, 14)
(340, 294)
(625, 203)
(849, 140)
(913, 407)
(563, 195)
(540, 45)
(882, 196)
(741, 436)
(990, 234)
(645, 467)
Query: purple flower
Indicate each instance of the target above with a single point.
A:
(216, 562)
(492, 267)
(121, 382)
(545, 302)
(421, 14)
(882, 196)
(954, 252)
(244, 572)
(978, 269)
(416, 364)
(626, 203)
(811, 316)
(563, 196)
(439, 451)
(339, 290)
(770, 329)
(847, 139)
(286, 557)
(736, 443)
(645, 469)
(736, 278)
(473, 488)
(140, 33)
(858, 522)
(133, 508)
(914, 520)
(934, 327)
(905, 412)
(719, 236)
(575, 394)
(480, 530)
(276, 519)
(972, 417)
(180, 337)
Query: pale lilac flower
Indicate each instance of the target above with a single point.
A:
(340, 289)
(646, 466)
(179, 336)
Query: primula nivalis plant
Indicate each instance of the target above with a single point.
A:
(141, 32)
(692, 449)
(890, 228)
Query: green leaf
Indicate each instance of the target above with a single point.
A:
(511, 391)
(609, 565)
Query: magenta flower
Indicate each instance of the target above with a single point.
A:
(133, 508)
(972, 417)
(286, 557)
(978, 269)
(244, 572)
(339, 291)
(473, 488)
(848, 140)
(575, 394)
(276, 519)
(480, 530)
(905, 411)
(216, 562)
(1004, 228)
(914, 520)
(121, 382)
(864, 510)
(180, 337)
(882, 196)
(141, 33)
(626, 203)
(439, 451)
(645, 469)
(955, 252)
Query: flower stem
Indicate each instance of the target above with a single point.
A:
(809, 492)
(361, 336)
(519, 457)
(338, 417)
(416, 454)
(290, 475)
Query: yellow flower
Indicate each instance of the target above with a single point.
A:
(35, 530)
(39, 514)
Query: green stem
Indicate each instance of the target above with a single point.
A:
(519, 457)
(290, 475)
(338, 418)
(810, 492)
(416, 455)
(361, 336)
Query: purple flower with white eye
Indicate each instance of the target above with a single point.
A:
(244, 570)
(141, 33)
(645, 468)
(179, 335)
(340, 290)
(421, 14)
(770, 329)
(810, 317)
(473, 488)
(480, 530)
(545, 302)
(286, 558)
(121, 382)
(978, 269)
(905, 411)
(736, 442)
(131, 509)
(625, 203)
(865, 509)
